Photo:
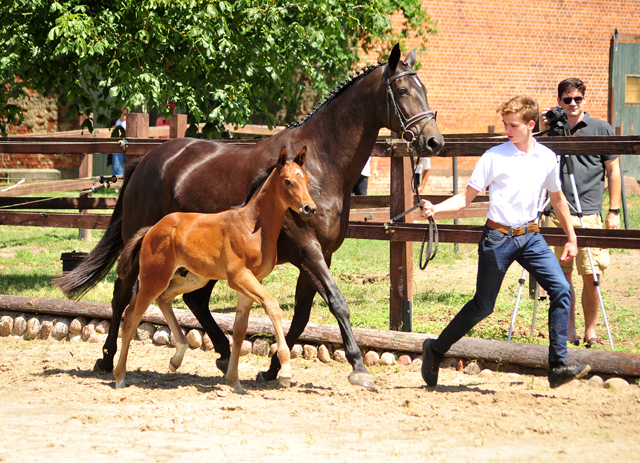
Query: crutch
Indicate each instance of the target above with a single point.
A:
(596, 281)
(542, 204)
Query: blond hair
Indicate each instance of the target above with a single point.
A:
(524, 105)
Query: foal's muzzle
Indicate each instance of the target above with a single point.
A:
(307, 210)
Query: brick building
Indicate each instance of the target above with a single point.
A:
(487, 52)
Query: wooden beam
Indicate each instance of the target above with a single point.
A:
(527, 355)
(56, 220)
(47, 187)
(83, 202)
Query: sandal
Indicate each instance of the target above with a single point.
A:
(593, 342)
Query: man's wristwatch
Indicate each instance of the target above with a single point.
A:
(615, 211)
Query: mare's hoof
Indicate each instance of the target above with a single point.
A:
(284, 382)
(264, 377)
(223, 365)
(362, 379)
(103, 366)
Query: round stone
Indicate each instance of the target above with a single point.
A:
(19, 326)
(387, 358)
(404, 360)
(162, 336)
(46, 327)
(472, 369)
(6, 325)
(371, 358)
(145, 331)
(89, 329)
(206, 342)
(77, 324)
(194, 338)
(340, 356)
(33, 328)
(60, 329)
(616, 384)
(245, 348)
(296, 351)
(103, 327)
(323, 354)
(310, 352)
(261, 347)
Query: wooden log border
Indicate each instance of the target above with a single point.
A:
(501, 352)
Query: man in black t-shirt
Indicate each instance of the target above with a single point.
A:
(589, 172)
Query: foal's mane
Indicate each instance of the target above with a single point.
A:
(340, 88)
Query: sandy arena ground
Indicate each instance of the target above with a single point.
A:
(55, 408)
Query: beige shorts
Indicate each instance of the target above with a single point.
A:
(600, 256)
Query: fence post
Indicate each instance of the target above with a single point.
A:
(177, 125)
(85, 169)
(137, 127)
(401, 253)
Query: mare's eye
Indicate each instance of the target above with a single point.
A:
(287, 182)
(403, 91)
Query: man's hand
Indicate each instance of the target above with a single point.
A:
(427, 208)
(612, 222)
(570, 251)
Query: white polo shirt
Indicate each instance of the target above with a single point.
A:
(515, 180)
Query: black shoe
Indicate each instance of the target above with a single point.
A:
(562, 375)
(430, 363)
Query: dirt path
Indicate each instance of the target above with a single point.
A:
(54, 408)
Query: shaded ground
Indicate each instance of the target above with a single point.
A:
(54, 408)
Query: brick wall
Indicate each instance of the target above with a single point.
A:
(489, 51)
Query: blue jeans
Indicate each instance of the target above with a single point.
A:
(496, 252)
(117, 160)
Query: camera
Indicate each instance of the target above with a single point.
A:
(558, 122)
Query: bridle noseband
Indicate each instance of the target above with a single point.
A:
(405, 122)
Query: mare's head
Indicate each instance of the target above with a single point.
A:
(293, 184)
(408, 112)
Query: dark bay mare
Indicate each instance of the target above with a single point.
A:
(192, 175)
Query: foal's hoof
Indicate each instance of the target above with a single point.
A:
(284, 382)
(223, 365)
(120, 384)
(172, 367)
(103, 365)
(362, 379)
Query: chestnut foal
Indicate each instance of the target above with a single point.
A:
(183, 251)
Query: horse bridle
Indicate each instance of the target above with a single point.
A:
(405, 122)
(431, 234)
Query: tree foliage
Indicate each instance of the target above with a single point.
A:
(222, 61)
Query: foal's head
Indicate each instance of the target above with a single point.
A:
(293, 184)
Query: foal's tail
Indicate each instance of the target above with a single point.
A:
(97, 264)
(130, 253)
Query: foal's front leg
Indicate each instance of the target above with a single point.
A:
(243, 308)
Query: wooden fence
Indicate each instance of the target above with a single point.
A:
(368, 213)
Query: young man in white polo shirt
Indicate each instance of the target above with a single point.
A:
(515, 174)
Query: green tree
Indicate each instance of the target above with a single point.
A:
(222, 61)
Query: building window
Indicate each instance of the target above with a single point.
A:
(632, 90)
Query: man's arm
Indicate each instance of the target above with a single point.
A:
(614, 180)
(453, 204)
(561, 209)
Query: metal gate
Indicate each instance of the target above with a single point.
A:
(624, 93)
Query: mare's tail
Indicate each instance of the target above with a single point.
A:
(130, 253)
(97, 264)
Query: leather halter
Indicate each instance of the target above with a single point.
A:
(405, 122)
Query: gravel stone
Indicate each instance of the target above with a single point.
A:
(103, 327)
(472, 369)
(162, 336)
(77, 324)
(310, 352)
(194, 338)
(261, 347)
(387, 358)
(33, 328)
(19, 326)
(6, 325)
(340, 356)
(323, 354)
(61, 329)
(145, 331)
(616, 384)
(296, 351)
(46, 327)
(371, 358)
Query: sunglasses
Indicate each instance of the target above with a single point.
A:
(577, 99)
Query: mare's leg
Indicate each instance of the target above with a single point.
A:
(243, 307)
(316, 277)
(198, 302)
(122, 292)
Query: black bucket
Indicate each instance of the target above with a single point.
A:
(70, 260)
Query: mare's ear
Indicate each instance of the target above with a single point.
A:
(410, 60)
(282, 160)
(394, 58)
(301, 156)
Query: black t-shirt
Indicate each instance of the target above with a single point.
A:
(589, 171)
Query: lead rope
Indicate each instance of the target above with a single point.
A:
(431, 236)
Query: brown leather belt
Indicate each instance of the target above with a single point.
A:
(531, 227)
